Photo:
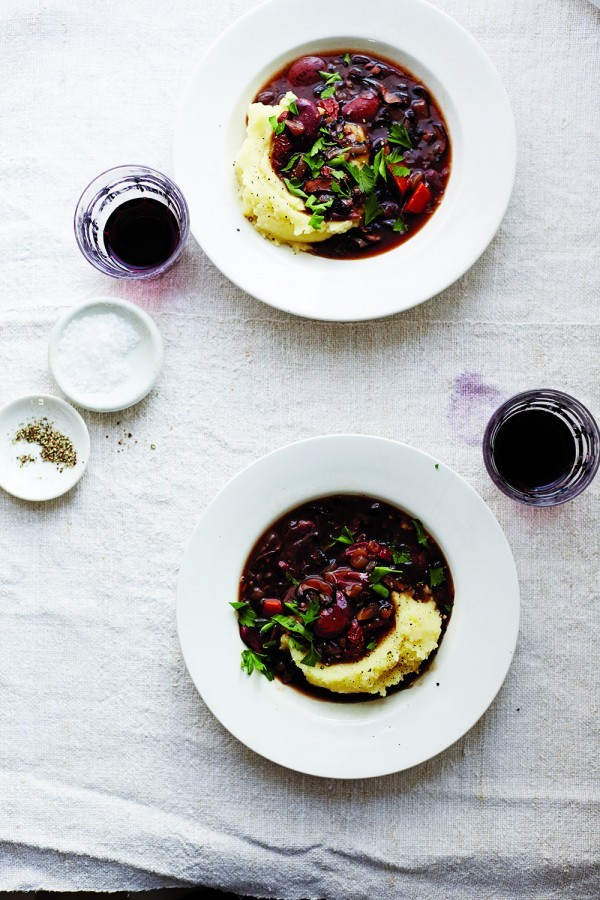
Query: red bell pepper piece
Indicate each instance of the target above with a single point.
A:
(419, 199)
(400, 182)
(272, 607)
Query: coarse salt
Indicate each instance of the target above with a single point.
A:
(94, 349)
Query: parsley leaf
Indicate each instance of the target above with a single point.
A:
(313, 204)
(293, 107)
(331, 77)
(371, 645)
(313, 611)
(312, 657)
(294, 626)
(421, 536)
(246, 615)
(291, 162)
(340, 187)
(380, 589)
(267, 626)
(291, 578)
(400, 171)
(379, 164)
(252, 661)
(399, 226)
(380, 572)
(293, 186)
(399, 135)
(372, 209)
(328, 92)
(346, 536)
(436, 576)
(316, 221)
(396, 156)
(275, 125)
(347, 59)
(400, 556)
(364, 176)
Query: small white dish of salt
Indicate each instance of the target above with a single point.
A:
(105, 354)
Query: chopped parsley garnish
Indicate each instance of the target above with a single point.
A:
(312, 657)
(364, 176)
(275, 125)
(294, 187)
(316, 221)
(246, 614)
(436, 576)
(313, 611)
(381, 590)
(371, 645)
(340, 187)
(372, 209)
(399, 226)
(421, 536)
(293, 107)
(345, 537)
(252, 661)
(313, 204)
(291, 162)
(331, 80)
(400, 556)
(395, 157)
(399, 135)
(293, 625)
(380, 572)
(379, 164)
(437, 465)
(347, 59)
(291, 578)
(400, 171)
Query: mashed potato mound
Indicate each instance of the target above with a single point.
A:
(415, 635)
(265, 199)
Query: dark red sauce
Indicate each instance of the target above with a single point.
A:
(379, 119)
(336, 560)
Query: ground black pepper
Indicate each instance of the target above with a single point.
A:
(55, 447)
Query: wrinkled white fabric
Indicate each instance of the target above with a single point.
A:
(113, 774)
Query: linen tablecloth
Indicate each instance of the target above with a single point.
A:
(113, 774)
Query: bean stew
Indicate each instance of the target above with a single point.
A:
(323, 574)
(365, 140)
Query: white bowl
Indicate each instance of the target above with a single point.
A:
(355, 740)
(40, 480)
(144, 361)
(210, 130)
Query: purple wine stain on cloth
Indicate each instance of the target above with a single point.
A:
(472, 402)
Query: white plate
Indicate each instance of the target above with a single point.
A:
(356, 740)
(40, 480)
(423, 39)
(144, 361)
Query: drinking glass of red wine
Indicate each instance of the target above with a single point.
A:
(542, 447)
(131, 222)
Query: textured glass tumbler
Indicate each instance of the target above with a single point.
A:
(107, 193)
(580, 424)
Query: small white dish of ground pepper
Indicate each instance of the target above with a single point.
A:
(44, 447)
(105, 354)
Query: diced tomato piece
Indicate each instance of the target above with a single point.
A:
(400, 181)
(419, 199)
(272, 607)
(330, 105)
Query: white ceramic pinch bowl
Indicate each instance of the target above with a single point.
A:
(40, 480)
(140, 363)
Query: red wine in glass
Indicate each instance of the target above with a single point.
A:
(141, 233)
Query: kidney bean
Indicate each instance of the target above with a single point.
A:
(363, 108)
(309, 116)
(295, 127)
(266, 97)
(367, 612)
(251, 638)
(306, 70)
(331, 622)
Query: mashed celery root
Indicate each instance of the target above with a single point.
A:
(413, 638)
(268, 204)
